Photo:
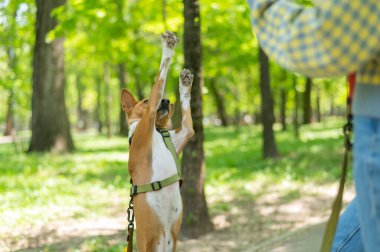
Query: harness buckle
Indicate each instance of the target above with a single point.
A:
(166, 134)
(133, 191)
(156, 185)
(163, 132)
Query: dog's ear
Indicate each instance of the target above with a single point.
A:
(171, 110)
(127, 100)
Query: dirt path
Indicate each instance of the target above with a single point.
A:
(306, 239)
(244, 224)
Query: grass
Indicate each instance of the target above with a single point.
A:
(232, 156)
(42, 187)
(93, 181)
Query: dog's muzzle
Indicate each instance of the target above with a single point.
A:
(164, 106)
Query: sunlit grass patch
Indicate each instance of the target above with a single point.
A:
(37, 188)
(235, 155)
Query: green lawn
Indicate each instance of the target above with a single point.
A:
(232, 155)
(93, 181)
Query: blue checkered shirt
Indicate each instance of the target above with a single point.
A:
(333, 38)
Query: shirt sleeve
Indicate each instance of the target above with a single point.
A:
(332, 38)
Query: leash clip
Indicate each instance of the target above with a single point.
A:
(347, 130)
(131, 219)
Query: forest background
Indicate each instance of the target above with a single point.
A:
(263, 134)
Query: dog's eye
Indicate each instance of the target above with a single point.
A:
(146, 101)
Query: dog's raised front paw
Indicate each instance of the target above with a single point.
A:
(186, 77)
(169, 39)
(185, 82)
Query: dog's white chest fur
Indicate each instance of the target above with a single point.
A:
(167, 202)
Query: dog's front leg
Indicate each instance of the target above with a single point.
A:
(169, 41)
(182, 135)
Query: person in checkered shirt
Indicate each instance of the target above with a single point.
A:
(334, 38)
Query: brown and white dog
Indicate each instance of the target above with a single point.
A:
(158, 213)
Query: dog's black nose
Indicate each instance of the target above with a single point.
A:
(165, 101)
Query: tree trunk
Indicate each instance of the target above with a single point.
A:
(196, 220)
(12, 63)
(283, 96)
(136, 70)
(296, 108)
(50, 124)
(82, 114)
(140, 92)
(9, 119)
(318, 106)
(307, 102)
(236, 118)
(123, 124)
(107, 100)
(98, 105)
(269, 143)
(332, 106)
(79, 102)
(219, 100)
(164, 14)
(177, 116)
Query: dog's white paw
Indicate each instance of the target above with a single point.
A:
(185, 81)
(186, 78)
(169, 39)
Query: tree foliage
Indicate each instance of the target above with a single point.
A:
(126, 32)
(16, 45)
